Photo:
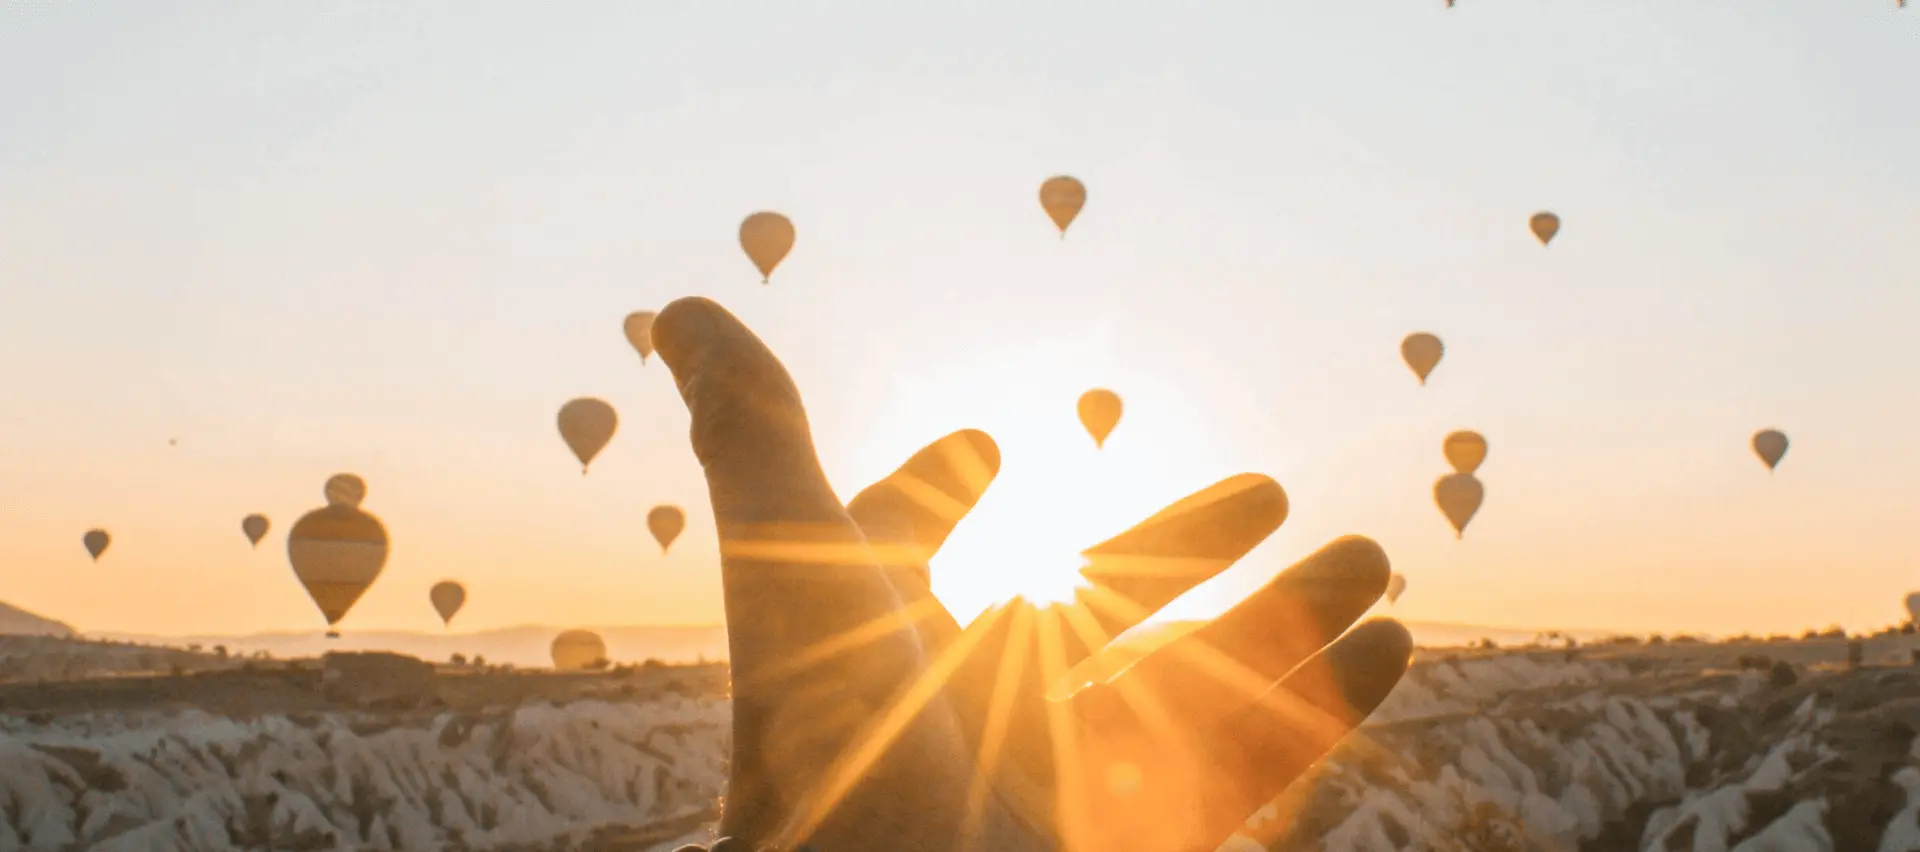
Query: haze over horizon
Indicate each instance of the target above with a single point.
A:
(394, 240)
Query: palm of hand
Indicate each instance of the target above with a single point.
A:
(866, 718)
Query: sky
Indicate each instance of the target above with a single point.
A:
(394, 238)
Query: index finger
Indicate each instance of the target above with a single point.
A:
(1143, 569)
(911, 512)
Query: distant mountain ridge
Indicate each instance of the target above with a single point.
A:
(15, 621)
(527, 645)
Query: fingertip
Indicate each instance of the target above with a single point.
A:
(1354, 561)
(984, 448)
(1260, 490)
(1370, 660)
(683, 328)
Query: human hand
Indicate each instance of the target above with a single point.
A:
(865, 718)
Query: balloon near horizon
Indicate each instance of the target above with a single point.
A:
(578, 650)
(447, 598)
(337, 551)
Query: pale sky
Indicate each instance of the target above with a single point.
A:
(394, 238)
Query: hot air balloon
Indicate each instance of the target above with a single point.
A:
(337, 551)
(1062, 197)
(639, 328)
(1770, 445)
(767, 237)
(578, 649)
(447, 596)
(1544, 226)
(666, 522)
(96, 542)
(1395, 585)
(1465, 451)
(587, 424)
(1422, 352)
(1459, 496)
(1913, 607)
(346, 489)
(1099, 413)
(255, 526)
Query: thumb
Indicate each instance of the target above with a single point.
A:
(807, 606)
(749, 429)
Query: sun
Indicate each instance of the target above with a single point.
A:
(1057, 494)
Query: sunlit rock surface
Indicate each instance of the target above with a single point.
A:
(614, 761)
(1674, 749)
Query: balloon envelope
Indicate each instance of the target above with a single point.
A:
(1913, 606)
(1465, 451)
(255, 526)
(1099, 413)
(577, 649)
(587, 425)
(1422, 352)
(96, 542)
(1459, 496)
(767, 237)
(639, 329)
(666, 522)
(337, 552)
(447, 596)
(1770, 445)
(345, 489)
(1062, 197)
(1395, 585)
(1544, 226)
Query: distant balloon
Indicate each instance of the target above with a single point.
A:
(447, 596)
(587, 424)
(1913, 607)
(255, 526)
(1465, 451)
(1422, 352)
(1395, 585)
(767, 237)
(96, 542)
(1099, 413)
(1459, 496)
(1062, 197)
(1544, 226)
(1770, 445)
(666, 522)
(345, 489)
(337, 552)
(639, 328)
(578, 649)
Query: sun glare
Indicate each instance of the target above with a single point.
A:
(1056, 494)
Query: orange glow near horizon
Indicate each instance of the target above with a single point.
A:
(302, 244)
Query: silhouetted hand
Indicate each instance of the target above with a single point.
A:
(866, 719)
